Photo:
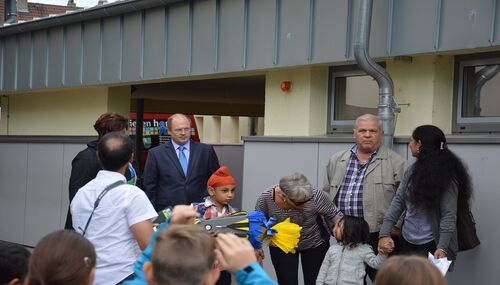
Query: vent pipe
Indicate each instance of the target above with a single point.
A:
(481, 77)
(387, 107)
(10, 12)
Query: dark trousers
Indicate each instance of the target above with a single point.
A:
(287, 265)
(406, 248)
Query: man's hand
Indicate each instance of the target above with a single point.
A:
(385, 245)
(183, 214)
(234, 253)
(439, 253)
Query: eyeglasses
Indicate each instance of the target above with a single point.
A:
(178, 131)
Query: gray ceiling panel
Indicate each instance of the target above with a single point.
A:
(10, 63)
(231, 35)
(111, 49)
(92, 48)
(178, 40)
(209, 36)
(40, 55)
(294, 32)
(329, 33)
(56, 57)
(24, 61)
(465, 24)
(495, 23)
(413, 26)
(261, 36)
(132, 47)
(154, 43)
(378, 31)
(204, 37)
(74, 55)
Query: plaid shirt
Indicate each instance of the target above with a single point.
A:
(208, 209)
(349, 200)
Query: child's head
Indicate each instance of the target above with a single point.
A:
(63, 257)
(13, 263)
(221, 186)
(352, 231)
(183, 254)
(409, 270)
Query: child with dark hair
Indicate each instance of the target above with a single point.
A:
(13, 263)
(345, 260)
(62, 257)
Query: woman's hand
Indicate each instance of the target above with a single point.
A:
(439, 253)
(385, 245)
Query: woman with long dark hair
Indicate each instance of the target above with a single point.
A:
(430, 194)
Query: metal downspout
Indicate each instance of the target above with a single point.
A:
(386, 106)
(10, 12)
(480, 78)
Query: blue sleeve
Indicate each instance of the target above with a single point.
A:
(253, 274)
(139, 278)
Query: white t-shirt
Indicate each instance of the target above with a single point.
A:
(109, 230)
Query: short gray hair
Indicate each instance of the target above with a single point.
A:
(296, 187)
(368, 117)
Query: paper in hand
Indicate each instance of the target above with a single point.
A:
(442, 263)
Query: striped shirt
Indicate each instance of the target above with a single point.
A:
(320, 205)
(350, 197)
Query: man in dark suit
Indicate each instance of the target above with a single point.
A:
(177, 171)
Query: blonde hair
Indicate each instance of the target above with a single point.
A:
(409, 270)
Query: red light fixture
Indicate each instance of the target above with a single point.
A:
(286, 86)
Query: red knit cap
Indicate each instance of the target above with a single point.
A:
(221, 177)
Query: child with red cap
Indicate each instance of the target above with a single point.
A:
(220, 187)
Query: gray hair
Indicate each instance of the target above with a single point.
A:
(368, 117)
(296, 187)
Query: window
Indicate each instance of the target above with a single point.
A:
(351, 93)
(476, 97)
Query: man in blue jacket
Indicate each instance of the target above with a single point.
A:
(176, 172)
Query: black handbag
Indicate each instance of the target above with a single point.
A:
(466, 230)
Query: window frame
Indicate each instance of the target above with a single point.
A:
(461, 124)
(341, 126)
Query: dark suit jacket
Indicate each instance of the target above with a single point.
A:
(165, 182)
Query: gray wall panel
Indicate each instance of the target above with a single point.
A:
(92, 52)
(13, 167)
(40, 50)
(231, 35)
(10, 63)
(69, 152)
(24, 62)
(154, 43)
(465, 24)
(132, 47)
(330, 25)
(294, 32)
(56, 56)
(73, 52)
(111, 50)
(325, 151)
(479, 266)
(203, 37)
(178, 32)
(44, 184)
(261, 16)
(414, 26)
(232, 157)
